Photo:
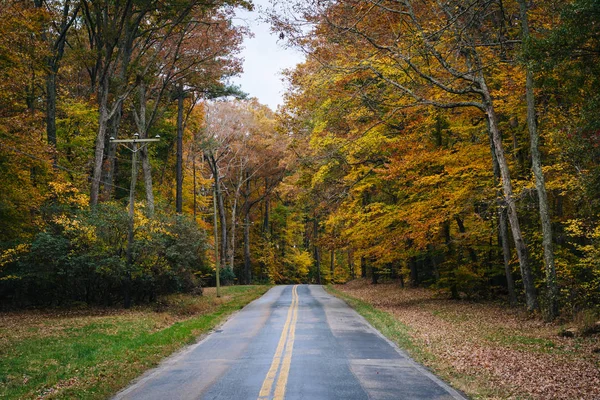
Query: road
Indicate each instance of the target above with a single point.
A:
(295, 342)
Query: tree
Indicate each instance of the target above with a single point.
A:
(133, 53)
(540, 183)
(241, 147)
(24, 155)
(105, 25)
(118, 36)
(434, 61)
(63, 15)
(205, 59)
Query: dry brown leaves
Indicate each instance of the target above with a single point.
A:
(63, 384)
(487, 350)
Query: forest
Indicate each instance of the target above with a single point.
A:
(449, 145)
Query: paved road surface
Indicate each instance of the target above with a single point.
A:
(295, 342)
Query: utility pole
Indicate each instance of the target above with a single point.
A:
(134, 150)
(216, 240)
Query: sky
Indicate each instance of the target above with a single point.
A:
(264, 59)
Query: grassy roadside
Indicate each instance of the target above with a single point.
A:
(385, 323)
(393, 329)
(482, 349)
(92, 353)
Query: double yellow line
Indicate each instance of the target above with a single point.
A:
(282, 361)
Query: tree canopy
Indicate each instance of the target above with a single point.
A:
(452, 145)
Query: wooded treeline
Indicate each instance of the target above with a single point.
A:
(448, 144)
(77, 74)
(452, 145)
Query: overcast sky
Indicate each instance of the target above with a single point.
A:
(264, 59)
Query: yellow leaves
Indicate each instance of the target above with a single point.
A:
(581, 229)
(11, 255)
(321, 175)
(427, 180)
(561, 177)
(147, 227)
(319, 127)
(66, 193)
(430, 180)
(325, 140)
(575, 227)
(301, 260)
(78, 232)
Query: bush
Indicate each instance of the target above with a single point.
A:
(82, 257)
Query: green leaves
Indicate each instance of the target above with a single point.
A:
(81, 257)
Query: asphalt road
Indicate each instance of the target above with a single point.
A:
(295, 342)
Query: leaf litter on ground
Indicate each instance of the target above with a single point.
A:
(487, 350)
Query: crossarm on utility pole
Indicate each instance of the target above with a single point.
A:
(134, 150)
(134, 140)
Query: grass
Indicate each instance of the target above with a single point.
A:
(384, 323)
(92, 353)
(526, 343)
(486, 350)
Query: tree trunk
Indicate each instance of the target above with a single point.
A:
(232, 235)
(461, 229)
(436, 270)
(146, 167)
(332, 265)
(247, 260)
(223, 221)
(110, 167)
(194, 182)
(363, 267)
(179, 167)
(521, 247)
(414, 273)
(267, 211)
(536, 165)
(51, 108)
(510, 283)
(212, 162)
(450, 255)
(503, 232)
(100, 140)
(374, 275)
(351, 263)
(317, 255)
(115, 122)
(57, 49)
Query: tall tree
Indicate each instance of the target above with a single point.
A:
(63, 15)
(540, 183)
(434, 61)
(105, 23)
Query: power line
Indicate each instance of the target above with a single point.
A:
(59, 166)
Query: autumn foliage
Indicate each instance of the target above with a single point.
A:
(451, 145)
(75, 75)
(413, 145)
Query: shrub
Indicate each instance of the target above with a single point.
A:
(82, 257)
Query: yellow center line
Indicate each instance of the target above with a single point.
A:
(287, 359)
(289, 330)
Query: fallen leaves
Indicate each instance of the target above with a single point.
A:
(488, 351)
